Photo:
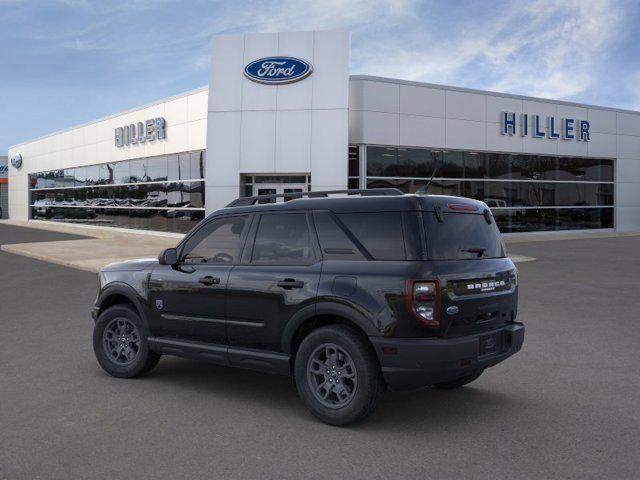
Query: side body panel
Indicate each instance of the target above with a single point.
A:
(182, 307)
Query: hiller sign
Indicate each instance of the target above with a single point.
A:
(532, 125)
(147, 131)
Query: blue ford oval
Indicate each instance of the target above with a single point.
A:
(278, 70)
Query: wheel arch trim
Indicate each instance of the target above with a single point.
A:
(122, 289)
(324, 308)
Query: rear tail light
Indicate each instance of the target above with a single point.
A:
(462, 207)
(423, 301)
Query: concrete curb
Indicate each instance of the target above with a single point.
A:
(16, 250)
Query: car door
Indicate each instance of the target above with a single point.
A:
(278, 276)
(188, 299)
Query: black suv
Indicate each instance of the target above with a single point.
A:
(348, 294)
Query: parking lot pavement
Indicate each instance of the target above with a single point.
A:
(566, 406)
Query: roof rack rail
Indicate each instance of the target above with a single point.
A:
(373, 192)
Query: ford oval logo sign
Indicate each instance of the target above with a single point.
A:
(16, 160)
(277, 70)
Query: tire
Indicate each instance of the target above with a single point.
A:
(458, 382)
(135, 359)
(358, 381)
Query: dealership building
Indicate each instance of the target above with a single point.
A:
(282, 114)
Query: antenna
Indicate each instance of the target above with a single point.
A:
(426, 188)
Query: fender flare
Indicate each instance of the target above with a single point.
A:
(125, 290)
(325, 308)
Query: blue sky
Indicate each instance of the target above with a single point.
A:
(65, 62)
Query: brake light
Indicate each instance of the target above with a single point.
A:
(461, 207)
(423, 301)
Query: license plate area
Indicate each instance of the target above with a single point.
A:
(492, 344)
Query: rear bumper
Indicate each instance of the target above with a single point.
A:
(418, 362)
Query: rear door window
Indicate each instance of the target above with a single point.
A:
(462, 236)
(379, 232)
(283, 239)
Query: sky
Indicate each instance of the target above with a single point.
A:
(66, 62)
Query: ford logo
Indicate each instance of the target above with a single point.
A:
(16, 160)
(277, 70)
(452, 310)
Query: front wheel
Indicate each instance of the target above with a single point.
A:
(120, 343)
(337, 375)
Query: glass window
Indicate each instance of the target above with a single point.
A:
(197, 164)
(92, 173)
(80, 176)
(473, 190)
(282, 239)
(138, 171)
(382, 161)
(354, 161)
(436, 187)
(184, 166)
(498, 165)
(157, 169)
(196, 194)
(105, 174)
(475, 165)
(334, 242)
(121, 172)
(58, 178)
(218, 242)
(534, 167)
(380, 233)
(452, 165)
(462, 236)
(173, 167)
(585, 169)
(606, 170)
(417, 162)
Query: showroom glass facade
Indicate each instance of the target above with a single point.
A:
(164, 193)
(525, 192)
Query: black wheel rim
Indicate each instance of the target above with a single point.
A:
(121, 341)
(332, 375)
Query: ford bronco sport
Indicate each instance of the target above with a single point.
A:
(348, 294)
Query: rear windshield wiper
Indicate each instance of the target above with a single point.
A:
(477, 250)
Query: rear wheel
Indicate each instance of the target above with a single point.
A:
(337, 375)
(120, 343)
(458, 382)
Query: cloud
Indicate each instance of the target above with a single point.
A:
(556, 47)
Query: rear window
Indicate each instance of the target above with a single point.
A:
(462, 236)
(379, 233)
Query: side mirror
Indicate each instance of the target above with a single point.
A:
(168, 257)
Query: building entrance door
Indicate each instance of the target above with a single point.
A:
(278, 188)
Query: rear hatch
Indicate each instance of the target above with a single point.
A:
(477, 281)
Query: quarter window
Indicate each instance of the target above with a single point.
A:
(282, 239)
(218, 242)
(380, 233)
(334, 242)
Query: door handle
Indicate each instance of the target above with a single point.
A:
(289, 283)
(209, 280)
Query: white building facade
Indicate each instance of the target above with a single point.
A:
(283, 115)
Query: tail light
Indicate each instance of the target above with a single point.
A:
(423, 301)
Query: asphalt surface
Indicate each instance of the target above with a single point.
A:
(565, 407)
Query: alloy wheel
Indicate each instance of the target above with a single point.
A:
(121, 341)
(332, 375)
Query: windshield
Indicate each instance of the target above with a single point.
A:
(462, 236)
